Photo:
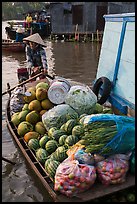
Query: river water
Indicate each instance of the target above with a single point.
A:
(71, 60)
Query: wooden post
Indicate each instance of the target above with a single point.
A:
(97, 36)
(92, 37)
(76, 33)
(86, 36)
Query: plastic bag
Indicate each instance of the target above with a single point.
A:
(124, 140)
(82, 99)
(17, 100)
(113, 169)
(72, 178)
(74, 148)
(83, 157)
(58, 115)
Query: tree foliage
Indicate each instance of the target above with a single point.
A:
(15, 10)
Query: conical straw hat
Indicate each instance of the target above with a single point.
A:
(35, 38)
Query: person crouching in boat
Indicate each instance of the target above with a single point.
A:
(36, 55)
(19, 35)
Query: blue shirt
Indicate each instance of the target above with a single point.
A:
(36, 57)
(19, 37)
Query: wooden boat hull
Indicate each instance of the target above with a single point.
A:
(13, 46)
(96, 191)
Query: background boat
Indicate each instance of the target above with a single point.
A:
(10, 45)
(42, 27)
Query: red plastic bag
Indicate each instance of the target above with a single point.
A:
(113, 169)
(72, 178)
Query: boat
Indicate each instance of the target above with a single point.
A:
(115, 60)
(11, 32)
(97, 190)
(10, 45)
(42, 27)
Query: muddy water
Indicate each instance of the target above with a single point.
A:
(74, 61)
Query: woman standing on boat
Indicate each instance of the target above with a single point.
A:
(36, 55)
(28, 20)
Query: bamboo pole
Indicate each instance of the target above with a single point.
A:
(24, 82)
(7, 160)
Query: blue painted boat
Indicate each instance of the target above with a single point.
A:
(117, 61)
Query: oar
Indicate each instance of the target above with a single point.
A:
(24, 82)
(7, 160)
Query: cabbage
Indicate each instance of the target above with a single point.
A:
(58, 115)
(81, 99)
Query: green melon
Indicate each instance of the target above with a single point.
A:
(62, 139)
(83, 115)
(51, 146)
(41, 155)
(24, 127)
(78, 130)
(22, 115)
(56, 134)
(25, 107)
(69, 125)
(54, 156)
(15, 118)
(61, 153)
(71, 140)
(51, 130)
(51, 167)
(81, 119)
(63, 127)
(47, 163)
(33, 144)
(43, 140)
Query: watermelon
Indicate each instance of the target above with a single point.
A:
(62, 139)
(41, 155)
(51, 130)
(71, 140)
(69, 125)
(61, 153)
(46, 163)
(81, 116)
(63, 127)
(51, 146)
(81, 119)
(51, 167)
(33, 144)
(78, 131)
(54, 156)
(56, 134)
(43, 140)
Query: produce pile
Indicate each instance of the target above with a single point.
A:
(65, 136)
(72, 178)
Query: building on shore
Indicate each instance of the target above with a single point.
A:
(74, 19)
